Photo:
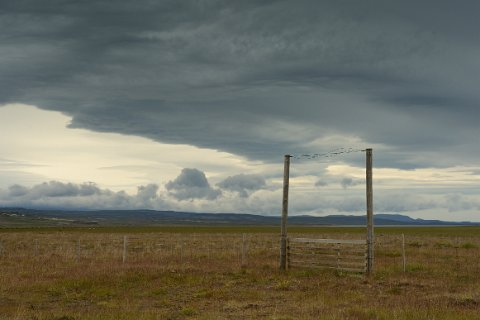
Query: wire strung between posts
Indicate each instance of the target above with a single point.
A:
(329, 154)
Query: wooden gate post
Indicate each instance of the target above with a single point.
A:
(370, 235)
(404, 258)
(283, 231)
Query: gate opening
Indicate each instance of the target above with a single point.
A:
(347, 255)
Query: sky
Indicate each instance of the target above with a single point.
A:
(191, 105)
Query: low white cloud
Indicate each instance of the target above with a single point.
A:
(243, 184)
(458, 202)
(54, 189)
(59, 195)
(148, 192)
(192, 184)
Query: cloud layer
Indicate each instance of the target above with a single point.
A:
(258, 80)
(191, 191)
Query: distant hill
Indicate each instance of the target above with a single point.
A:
(20, 217)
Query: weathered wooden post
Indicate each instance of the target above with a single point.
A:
(403, 254)
(283, 232)
(370, 235)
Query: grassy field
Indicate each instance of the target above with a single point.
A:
(181, 272)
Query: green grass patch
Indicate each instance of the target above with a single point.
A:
(469, 245)
(463, 231)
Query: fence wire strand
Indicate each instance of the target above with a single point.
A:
(329, 154)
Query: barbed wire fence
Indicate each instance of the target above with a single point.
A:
(329, 154)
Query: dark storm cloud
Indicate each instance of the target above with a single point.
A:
(259, 79)
(243, 183)
(191, 184)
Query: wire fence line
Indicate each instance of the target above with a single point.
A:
(174, 249)
(228, 251)
(329, 154)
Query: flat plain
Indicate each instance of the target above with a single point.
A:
(189, 272)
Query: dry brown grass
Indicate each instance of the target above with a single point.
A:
(199, 276)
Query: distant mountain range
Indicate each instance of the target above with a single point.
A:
(20, 217)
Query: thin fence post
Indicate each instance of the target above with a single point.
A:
(244, 251)
(194, 248)
(457, 259)
(181, 253)
(337, 248)
(125, 247)
(78, 249)
(403, 254)
(288, 253)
